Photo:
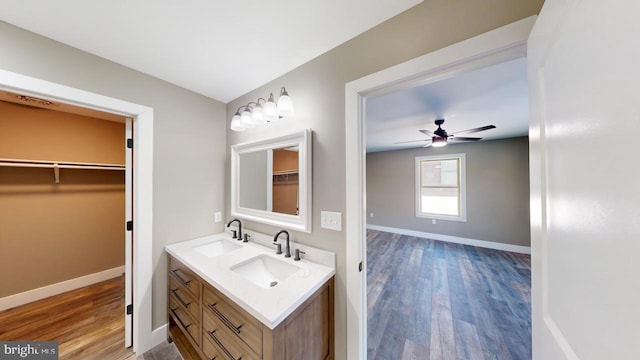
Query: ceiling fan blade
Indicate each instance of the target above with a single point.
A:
(462, 138)
(410, 141)
(474, 130)
(426, 132)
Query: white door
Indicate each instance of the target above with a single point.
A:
(584, 76)
(128, 246)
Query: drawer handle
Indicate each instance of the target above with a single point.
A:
(179, 320)
(183, 281)
(227, 322)
(185, 304)
(226, 352)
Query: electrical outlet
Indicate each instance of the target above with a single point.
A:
(371, 215)
(433, 221)
(218, 216)
(331, 220)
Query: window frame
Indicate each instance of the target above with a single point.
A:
(462, 187)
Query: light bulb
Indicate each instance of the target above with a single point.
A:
(245, 118)
(270, 111)
(258, 116)
(285, 105)
(236, 125)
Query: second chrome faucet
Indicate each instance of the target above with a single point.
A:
(287, 251)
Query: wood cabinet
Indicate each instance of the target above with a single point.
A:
(218, 328)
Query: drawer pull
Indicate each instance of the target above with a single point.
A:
(179, 320)
(227, 322)
(185, 304)
(183, 281)
(226, 352)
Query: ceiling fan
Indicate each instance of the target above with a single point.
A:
(440, 137)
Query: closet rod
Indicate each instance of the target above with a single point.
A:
(59, 164)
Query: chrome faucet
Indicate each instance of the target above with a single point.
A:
(287, 250)
(237, 235)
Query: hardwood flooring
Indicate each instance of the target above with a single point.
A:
(433, 300)
(88, 323)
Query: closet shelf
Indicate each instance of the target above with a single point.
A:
(57, 165)
(285, 172)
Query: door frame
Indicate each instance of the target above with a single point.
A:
(499, 45)
(142, 185)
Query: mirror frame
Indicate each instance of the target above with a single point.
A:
(300, 222)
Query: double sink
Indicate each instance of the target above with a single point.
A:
(262, 270)
(265, 284)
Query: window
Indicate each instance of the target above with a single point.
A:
(440, 187)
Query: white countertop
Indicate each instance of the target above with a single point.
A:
(271, 305)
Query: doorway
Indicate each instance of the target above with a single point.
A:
(503, 44)
(142, 186)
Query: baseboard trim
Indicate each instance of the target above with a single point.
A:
(159, 335)
(454, 239)
(26, 297)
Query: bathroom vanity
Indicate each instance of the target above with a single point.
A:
(233, 300)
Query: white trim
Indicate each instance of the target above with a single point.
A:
(142, 183)
(502, 44)
(40, 293)
(128, 235)
(159, 335)
(454, 239)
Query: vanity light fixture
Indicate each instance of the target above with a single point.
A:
(256, 114)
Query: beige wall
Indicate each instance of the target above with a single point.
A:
(317, 90)
(497, 177)
(55, 232)
(189, 138)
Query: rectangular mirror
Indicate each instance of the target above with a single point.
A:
(271, 181)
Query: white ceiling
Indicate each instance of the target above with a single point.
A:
(219, 48)
(495, 95)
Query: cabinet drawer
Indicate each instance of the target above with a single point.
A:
(222, 341)
(232, 319)
(182, 317)
(185, 277)
(184, 298)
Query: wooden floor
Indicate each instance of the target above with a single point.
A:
(434, 300)
(88, 323)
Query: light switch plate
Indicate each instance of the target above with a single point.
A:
(331, 220)
(218, 216)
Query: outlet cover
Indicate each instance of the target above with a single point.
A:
(218, 216)
(331, 220)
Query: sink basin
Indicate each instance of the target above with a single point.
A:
(264, 270)
(216, 247)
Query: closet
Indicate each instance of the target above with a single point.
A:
(62, 196)
(285, 181)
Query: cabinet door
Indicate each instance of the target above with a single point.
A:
(233, 319)
(185, 277)
(185, 321)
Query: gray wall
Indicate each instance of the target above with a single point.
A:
(497, 191)
(189, 138)
(189, 134)
(317, 90)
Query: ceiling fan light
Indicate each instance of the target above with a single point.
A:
(439, 141)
